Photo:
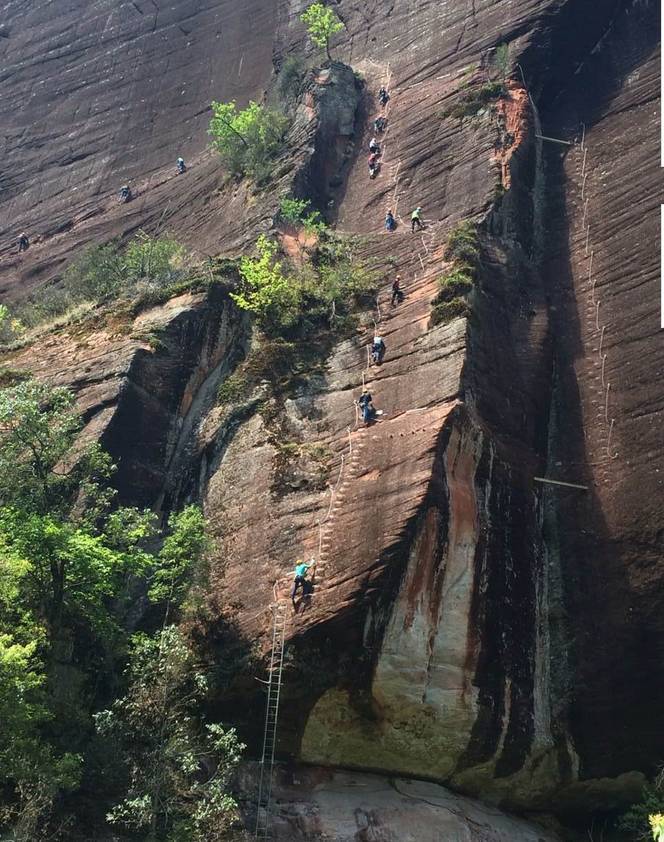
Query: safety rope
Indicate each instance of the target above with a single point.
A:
(594, 300)
(347, 459)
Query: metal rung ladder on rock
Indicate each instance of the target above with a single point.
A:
(271, 717)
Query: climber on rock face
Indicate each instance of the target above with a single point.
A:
(383, 96)
(301, 570)
(374, 165)
(366, 405)
(416, 219)
(125, 194)
(373, 146)
(390, 221)
(378, 349)
(380, 124)
(180, 165)
(397, 292)
(23, 242)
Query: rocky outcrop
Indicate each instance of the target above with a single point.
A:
(313, 803)
(140, 381)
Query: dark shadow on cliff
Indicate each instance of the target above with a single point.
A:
(613, 715)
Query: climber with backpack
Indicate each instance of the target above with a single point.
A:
(366, 405)
(378, 349)
(374, 165)
(23, 242)
(390, 221)
(416, 219)
(125, 195)
(380, 124)
(180, 165)
(383, 96)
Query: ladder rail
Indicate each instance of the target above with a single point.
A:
(271, 718)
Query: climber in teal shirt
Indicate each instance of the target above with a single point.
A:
(301, 570)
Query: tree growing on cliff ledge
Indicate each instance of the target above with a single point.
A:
(249, 139)
(322, 23)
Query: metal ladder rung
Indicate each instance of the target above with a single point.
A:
(274, 673)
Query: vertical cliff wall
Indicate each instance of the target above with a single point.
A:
(602, 268)
(468, 624)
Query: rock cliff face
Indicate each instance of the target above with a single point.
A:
(469, 623)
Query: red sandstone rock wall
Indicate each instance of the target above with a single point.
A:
(467, 625)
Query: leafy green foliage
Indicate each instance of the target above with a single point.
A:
(457, 283)
(101, 273)
(249, 139)
(444, 311)
(98, 273)
(68, 573)
(637, 820)
(322, 23)
(291, 75)
(21, 693)
(179, 769)
(10, 327)
(293, 210)
(474, 100)
(66, 561)
(295, 300)
(296, 212)
(463, 244)
(502, 61)
(37, 428)
(266, 291)
(183, 549)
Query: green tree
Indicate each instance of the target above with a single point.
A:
(67, 574)
(248, 139)
(38, 425)
(96, 274)
(502, 60)
(179, 769)
(10, 326)
(322, 23)
(266, 291)
(294, 211)
(183, 549)
(152, 257)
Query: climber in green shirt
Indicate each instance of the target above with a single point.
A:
(416, 219)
